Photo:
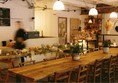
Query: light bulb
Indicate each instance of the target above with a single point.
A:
(90, 21)
(113, 15)
(93, 12)
(58, 5)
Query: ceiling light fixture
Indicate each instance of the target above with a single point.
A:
(113, 15)
(90, 21)
(58, 5)
(93, 12)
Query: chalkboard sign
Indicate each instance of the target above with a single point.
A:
(4, 17)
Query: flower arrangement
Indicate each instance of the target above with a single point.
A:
(76, 48)
(106, 43)
(108, 26)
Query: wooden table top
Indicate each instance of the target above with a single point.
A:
(44, 69)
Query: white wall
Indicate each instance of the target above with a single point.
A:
(112, 31)
(48, 20)
(18, 12)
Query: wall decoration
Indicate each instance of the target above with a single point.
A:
(62, 30)
(4, 17)
(74, 28)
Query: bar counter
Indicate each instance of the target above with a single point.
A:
(41, 70)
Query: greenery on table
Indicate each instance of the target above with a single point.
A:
(67, 48)
(106, 43)
(76, 48)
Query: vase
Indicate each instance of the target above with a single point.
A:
(107, 32)
(75, 56)
(108, 26)
(106, 50)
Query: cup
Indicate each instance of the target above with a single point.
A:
(4, 43)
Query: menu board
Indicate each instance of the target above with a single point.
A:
(4, 17)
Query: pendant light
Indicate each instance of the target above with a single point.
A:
(93, 12)
(58, 5)
(90, 21)
(113, 15)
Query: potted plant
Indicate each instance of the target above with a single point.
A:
(106, 45)
(76, 49)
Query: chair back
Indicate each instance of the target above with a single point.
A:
(27, 63)
(61, 76)
(83, 74)
(98, 67)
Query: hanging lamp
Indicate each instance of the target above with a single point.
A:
(90, 21)
(58, 5)
(93, 12)
(113, 15)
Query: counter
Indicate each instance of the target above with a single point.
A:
(42, 40)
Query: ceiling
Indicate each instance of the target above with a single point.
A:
(110, 2)
(92, 2)
(83, 3)
(87, 4)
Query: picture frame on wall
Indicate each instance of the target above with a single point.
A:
(62, 30)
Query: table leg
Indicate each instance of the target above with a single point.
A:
(87, 45)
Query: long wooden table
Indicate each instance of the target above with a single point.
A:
(41, 70)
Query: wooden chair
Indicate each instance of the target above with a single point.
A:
(81, 74)
(62, 76)
(4, 75)
(27, 63)
(95, 71)
(116, 68)
(108, 71)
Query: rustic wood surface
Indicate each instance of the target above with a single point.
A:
(40, 70)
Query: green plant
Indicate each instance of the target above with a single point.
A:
(76, 48)
(106, 43)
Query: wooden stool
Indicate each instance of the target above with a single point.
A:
(108, 70)
(82, 74)
(61, 76)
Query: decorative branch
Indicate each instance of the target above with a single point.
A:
(3, 1)
(31, 5)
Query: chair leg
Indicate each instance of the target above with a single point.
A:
(100, 78)
(7, 78)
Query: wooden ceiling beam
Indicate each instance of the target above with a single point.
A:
(101, 9)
